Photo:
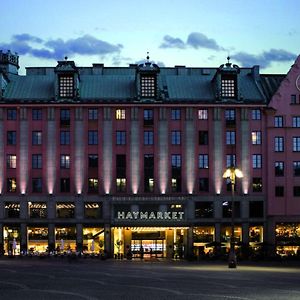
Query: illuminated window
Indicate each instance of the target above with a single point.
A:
(256, 137)
(148, 86)
(65, 161)
(11, 161)
(121, 184)
(36, 138)
(228, 87)
(66, 86)
(203, 161)
(120, 114)
(93, 185)
(11, 185)
(202, 114)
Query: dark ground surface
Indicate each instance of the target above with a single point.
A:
(57, 278)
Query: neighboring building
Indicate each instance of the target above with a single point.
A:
(106, 158)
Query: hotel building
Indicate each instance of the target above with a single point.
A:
(111, 158)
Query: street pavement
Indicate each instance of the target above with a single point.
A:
(59, 278)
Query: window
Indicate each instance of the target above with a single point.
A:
(148, 173)
(120, 114)
(93, 185)
(120, 166)
(256, 137)
(256, 209)
(203, 137)
(12, 114)
(93, 137)
(64, 117)
(65, 161)
(175, 135)
(12, 210)
(296, 121)
(204, 209)
(230, 137)
(37, 114)
(228, 87)
(11, 137)
(296, 144)
(257, 184)
(296, 168)
(93, 114)
(11, 185)
(279, 191)
(278, 121)
(65, 185)
(202, 114)
(93, 161)
(256, 161)
(148, 86)
(256, 114)
(37, 210)
(121, 185)
(37, 185)
(11, 161)
(293, 99)
(176, 173)
(148, 117)
(203, 161)
(203, 184)
(296, 191)
(175, 114)
(230, 160)
(92, 210)
(176, 160)
(230, 117)
(66, 86)
(36, 138)
(279, 144)
(148, 138)
(227, 209)
(36, 161)
(279, 168)
(121, 137)
(65, 137)
(65, 210)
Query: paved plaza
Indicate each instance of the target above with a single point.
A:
(58, 278)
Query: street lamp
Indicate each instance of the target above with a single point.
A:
(232, 173)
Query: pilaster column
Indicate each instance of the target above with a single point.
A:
(107, 150)
(134, 151)
(23, 163)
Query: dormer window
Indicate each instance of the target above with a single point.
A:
(66, 86)
(228, 86)
(148, 86)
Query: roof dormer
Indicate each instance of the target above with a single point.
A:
(67, 80)
(226, 82)
(147, 81)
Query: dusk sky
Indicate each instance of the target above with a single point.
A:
(195, 33)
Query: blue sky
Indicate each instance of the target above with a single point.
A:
(194, 33)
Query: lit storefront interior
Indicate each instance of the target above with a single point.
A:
(203, 237)
(11, 236)
(93, 239)
(37, 239)
(226, 233)
(65, 238)
(150, 242)
(287, 237)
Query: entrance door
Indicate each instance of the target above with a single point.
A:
(148, 248)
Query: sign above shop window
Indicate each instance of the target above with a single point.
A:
(138, 215)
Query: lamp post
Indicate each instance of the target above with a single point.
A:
(232, 173)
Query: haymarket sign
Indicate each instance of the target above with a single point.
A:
(159, 215)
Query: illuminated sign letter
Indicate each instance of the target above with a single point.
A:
(181, 213)
(167, 215)
(144, 216)
(129, 216)
(121, 215)
(152, 216)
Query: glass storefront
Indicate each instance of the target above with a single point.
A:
(11, 236)
(93, 239)
(65, 239)
(287, 237)
(37, 239)
(203, 239)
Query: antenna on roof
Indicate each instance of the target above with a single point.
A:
(228, 61)
(66, 57)
(148, 57)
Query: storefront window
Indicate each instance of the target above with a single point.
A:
(93, 239)
(226, 233)
(11, 236)
(203, 234)
(256, 234)
(37, 239)
(65, 239)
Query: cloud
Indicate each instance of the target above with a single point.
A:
(170, 42)
(194, 40)
(265, 59)
(200, 40)
(58, 48)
